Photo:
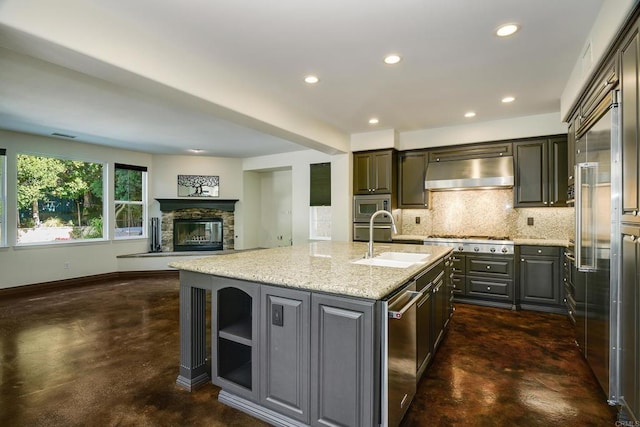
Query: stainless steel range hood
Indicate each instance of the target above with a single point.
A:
(491, 172)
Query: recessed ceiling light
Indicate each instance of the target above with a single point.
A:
(373, 121)
(196, 150)
(506, 30)
(311, 79)
(392, 59)
(470, 114)
(508, 99)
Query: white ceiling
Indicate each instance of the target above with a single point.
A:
(226, 76)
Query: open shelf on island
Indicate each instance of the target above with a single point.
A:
(234, 362)
(239, 332)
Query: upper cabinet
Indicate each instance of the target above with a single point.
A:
(541, 172)
(571, 153)
(629, 79)
(412, 166)
(471, 151)
(374, 172)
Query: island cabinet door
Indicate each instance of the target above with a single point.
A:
(343, 375)
(284, 351)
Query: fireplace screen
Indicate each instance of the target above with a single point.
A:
(197, 234)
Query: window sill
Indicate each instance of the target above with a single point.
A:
(41, 245)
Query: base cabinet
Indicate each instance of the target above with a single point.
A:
(483, 279)
(540, 285)
(342, 362)
(630, 321)
(285, 337)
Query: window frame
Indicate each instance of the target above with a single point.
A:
(143, 202)
(319, 198)
(104, 211)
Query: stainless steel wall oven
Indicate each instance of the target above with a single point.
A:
(363, 208)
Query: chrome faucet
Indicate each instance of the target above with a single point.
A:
(369, 253)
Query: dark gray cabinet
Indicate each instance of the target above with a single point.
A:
(457, 274)
(571, 154)
(342, 362)
(541, 172)
(540, 273)
(471, 151)
(629, 82)
(411, 173)
(234, 324)
(630, 319)
(440, 301)
(374, 172)
(424, 318)
(568, 274)
(489, 279)
(483, 279)
(285, 338)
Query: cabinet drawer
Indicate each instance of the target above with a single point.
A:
(426, 279)
(457, 285)
(457, 263)
(490, 266)
(489, 288)
(540, 250)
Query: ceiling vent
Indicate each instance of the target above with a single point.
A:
(63, 135)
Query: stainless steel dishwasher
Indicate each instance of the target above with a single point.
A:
(401, 350)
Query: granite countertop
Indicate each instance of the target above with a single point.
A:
(318, 266)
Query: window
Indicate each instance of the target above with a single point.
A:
(130, 195)
(320, 201)
(3, 198)
(59, 199)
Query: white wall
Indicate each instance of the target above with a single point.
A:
(247, 215)
(275, 214)
(168, 168)
(299, 163)
(21, 265)
(520, 127)
(375, 140)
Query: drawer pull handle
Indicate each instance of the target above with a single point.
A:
(539, 251)
(488, 288)
(488, 267)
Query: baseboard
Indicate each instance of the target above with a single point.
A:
(56, 285)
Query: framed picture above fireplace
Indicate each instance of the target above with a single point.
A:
(198, 186)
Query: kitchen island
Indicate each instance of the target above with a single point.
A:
(300, 336)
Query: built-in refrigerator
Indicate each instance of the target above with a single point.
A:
(597, 204)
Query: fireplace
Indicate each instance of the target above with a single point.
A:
(202, 234)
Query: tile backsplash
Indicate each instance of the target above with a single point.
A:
(486, 213)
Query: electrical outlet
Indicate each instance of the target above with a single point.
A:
(276, 315)
(417, 220)
(530, 220)
(67, 265)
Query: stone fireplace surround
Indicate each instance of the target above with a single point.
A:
(196, 209)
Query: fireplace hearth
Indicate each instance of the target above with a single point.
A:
(202, 234)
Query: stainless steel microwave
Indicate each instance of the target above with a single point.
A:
(365, 206)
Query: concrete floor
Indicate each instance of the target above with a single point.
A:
(106, 354)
